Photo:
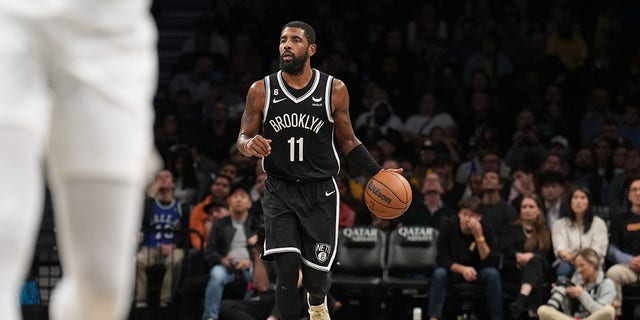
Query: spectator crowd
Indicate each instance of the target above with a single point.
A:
(516, 122)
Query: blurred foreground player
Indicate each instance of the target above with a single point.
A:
(76, 83)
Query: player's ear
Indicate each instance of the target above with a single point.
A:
(312, 49)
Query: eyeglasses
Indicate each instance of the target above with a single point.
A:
(634, 190)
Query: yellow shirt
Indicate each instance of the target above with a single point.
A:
(571, 52)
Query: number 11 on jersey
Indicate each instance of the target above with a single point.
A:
(292, 149)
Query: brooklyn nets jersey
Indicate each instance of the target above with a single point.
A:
(301, 129)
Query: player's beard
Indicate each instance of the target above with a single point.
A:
(295, 66)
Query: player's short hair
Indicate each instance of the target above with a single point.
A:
(308, 30)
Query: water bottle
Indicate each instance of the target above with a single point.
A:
(417, 314)
(467, 316)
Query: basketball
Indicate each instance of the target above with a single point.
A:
(387, 194)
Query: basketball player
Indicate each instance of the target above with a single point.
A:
(300, 113)
(76, 82)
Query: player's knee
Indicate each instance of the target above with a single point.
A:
(99, 152)
(287, 281)
(287, 265)
(96, 278)
(106, 287)
(287, 271)
(96, 292)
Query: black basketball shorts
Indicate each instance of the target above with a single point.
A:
(302, 218)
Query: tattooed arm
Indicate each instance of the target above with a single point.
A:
(345, 137)
(249, 142)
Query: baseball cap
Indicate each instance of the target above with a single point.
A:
(561, 140)
(239, 186)
(216, 203)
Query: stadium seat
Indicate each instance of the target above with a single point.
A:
(630, 301)
(360, 258)
(357, 273)
(411, 260)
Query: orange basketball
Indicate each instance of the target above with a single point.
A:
(387, 194)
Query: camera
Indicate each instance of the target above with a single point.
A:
(564, 282)
(233, 262)
(558, 293)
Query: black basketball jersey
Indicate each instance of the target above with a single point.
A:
(301, 129)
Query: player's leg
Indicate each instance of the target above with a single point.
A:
(287, 294)
(104, 60)
(283, 243)
(23, 117)
(319, 237)
(317, 283)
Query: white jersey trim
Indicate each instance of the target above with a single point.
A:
(335, 151)
(335, 240)
(283, 87)
(267, 98)
(329, 107)
(280, 250)
(327, 98)
(267, 103)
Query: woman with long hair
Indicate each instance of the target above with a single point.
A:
(579, 229)
(526, 243)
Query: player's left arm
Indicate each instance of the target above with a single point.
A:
(346, 139)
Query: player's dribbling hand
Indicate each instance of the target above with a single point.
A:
(258, 146)
(396, 170)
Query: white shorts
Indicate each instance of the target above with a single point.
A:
(80, 75)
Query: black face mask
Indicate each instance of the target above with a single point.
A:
(294, 66)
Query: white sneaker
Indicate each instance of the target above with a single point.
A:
(320, 312)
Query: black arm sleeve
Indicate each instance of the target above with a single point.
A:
(361, 157)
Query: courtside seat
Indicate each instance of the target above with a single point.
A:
(360, 258)
(410, 263)
(412, 257)
(465, 300)
(357, 273)
(631, 301)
